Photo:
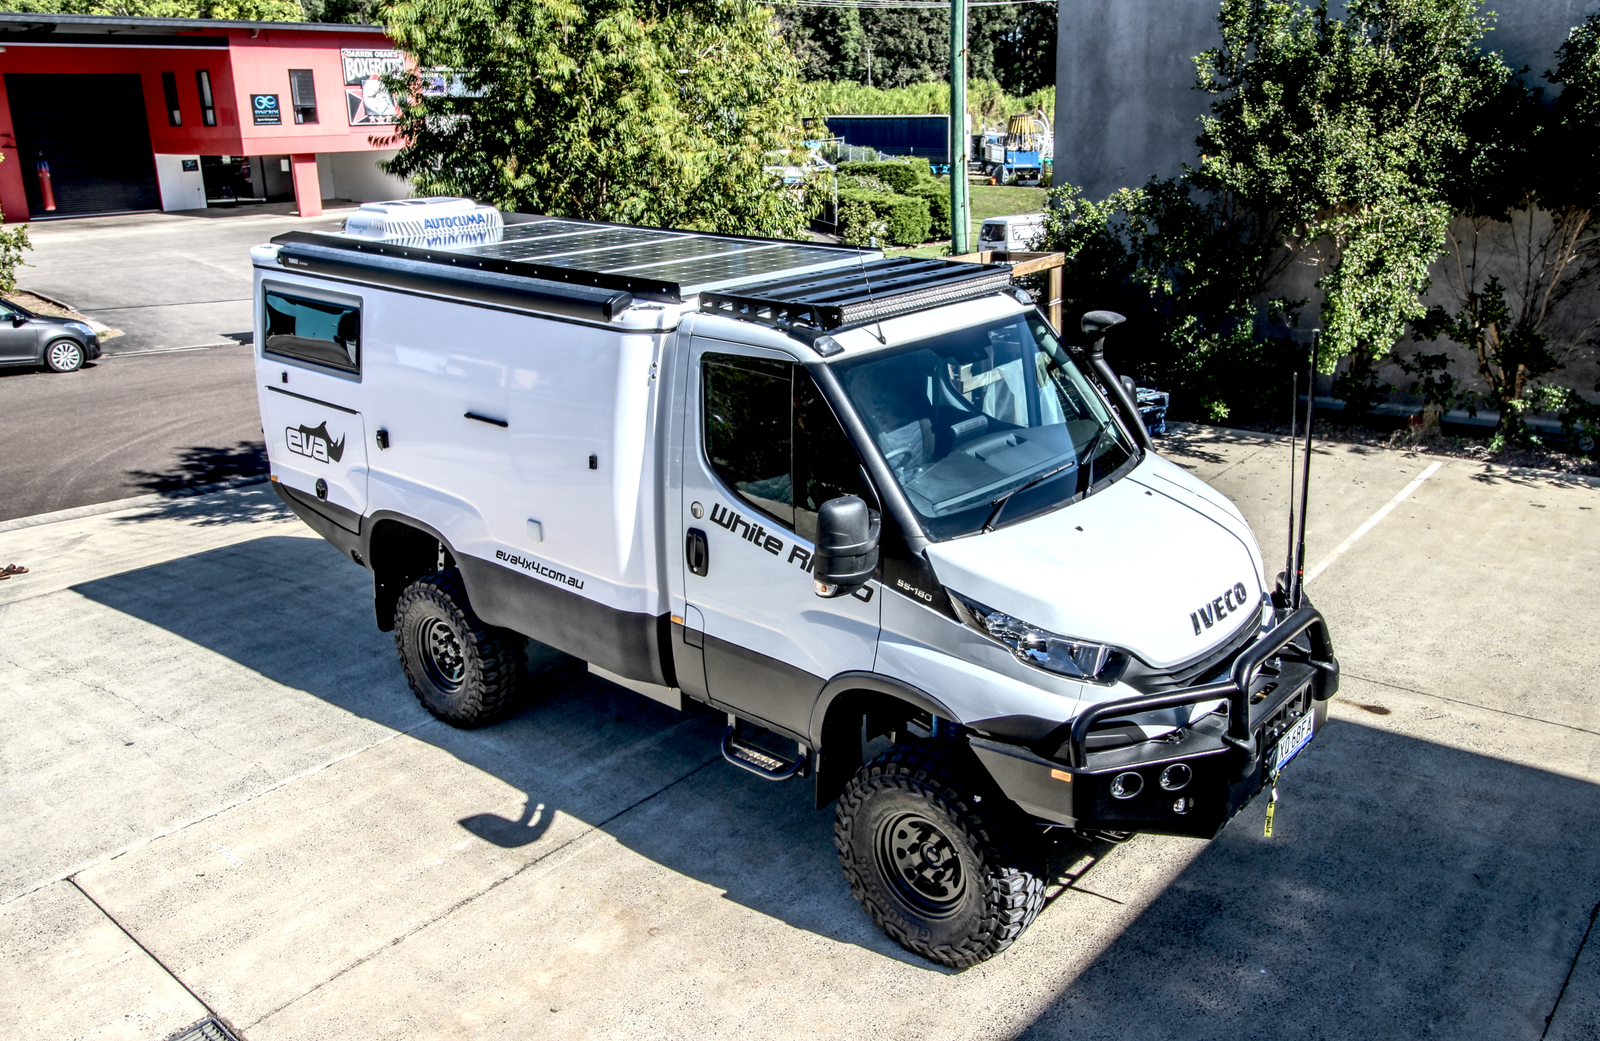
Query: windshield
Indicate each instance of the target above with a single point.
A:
(967, 417)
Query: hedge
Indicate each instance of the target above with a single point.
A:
(902, 177)
(907, 216)
(937, 194)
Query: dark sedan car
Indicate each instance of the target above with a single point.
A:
(59, 344)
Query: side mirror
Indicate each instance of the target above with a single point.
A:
(846, 554)
(19, 319)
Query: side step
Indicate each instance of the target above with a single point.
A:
(737, 749)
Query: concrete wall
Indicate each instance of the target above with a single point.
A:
(1126, 107)
(356, 176)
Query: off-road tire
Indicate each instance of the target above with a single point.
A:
(466, 673)
(1001, 888)
(64, 355)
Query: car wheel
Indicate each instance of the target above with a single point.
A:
(63, 355)
(940, 862)
(464, 672)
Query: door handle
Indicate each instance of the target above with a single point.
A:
(698, 552)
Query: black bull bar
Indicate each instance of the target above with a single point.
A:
(1242, 716)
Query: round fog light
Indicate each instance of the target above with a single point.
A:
(1176, 776)
(1126, 786)
(1182, 804)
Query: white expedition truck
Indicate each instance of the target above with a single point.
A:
(874, 510)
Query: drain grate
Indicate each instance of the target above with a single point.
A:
(207, 1029)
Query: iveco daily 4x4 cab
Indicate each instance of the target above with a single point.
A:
(875, 508)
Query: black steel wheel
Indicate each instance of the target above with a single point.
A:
(463, 671)
(940, 860)
(63, 355)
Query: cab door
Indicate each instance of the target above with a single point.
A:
(310, 363)
(762, 452)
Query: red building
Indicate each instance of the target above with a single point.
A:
(111, 115)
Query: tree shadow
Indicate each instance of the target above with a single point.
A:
(251, 501)
(205, 464)
(1411, 888)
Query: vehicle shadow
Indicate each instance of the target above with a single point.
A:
(292, 610)
(1410, 887)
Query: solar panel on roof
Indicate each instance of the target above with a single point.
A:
(649, 263)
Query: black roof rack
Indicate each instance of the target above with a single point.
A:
(842, 296)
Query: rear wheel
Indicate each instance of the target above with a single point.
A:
(463, 671)
(63, 355)
(939, 861)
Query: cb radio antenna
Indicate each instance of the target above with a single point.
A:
(1294, 446)
(1298, 591)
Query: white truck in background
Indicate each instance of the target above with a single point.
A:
(916, 548)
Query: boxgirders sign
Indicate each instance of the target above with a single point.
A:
(366, 100)
(265, 111)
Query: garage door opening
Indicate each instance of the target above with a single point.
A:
(234, 179)
(84, 143)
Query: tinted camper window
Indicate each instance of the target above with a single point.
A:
(314, 331)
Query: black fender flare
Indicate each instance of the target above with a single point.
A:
(835, 768)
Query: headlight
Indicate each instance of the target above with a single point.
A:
(1080, 659)
(80, 327)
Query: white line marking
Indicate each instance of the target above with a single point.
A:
(1373, 520)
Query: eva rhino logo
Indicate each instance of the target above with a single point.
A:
(314, 442)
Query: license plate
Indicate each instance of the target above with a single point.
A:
(1297, 738)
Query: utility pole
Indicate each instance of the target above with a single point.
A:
(960, 140)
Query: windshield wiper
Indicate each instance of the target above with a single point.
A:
(1000, 503)
(1088, 456)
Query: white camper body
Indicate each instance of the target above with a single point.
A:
(647, 449)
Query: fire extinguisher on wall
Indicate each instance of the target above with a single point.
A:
(46, 191)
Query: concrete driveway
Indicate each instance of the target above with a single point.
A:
(218, 796)
(167, 280)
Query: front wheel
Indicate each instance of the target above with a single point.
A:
(63, 356)
(464, 672)
(939, 861)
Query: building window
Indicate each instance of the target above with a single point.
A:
(303, 92)
(208, 108)
(169, 87)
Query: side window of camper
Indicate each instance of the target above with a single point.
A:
(314, 331)
(771, 436)
(747, 403)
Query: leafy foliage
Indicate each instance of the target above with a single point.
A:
(906, 218)
(1527, 189)
(639, 111)
(237, 10)
(1186, 271)
(1334, 136)
(1015, 45)
(985, 98)
(12, 242)
(859, 223)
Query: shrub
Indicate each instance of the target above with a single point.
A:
(859, 223)
(937, 195)
(906, 218)
(900, 177)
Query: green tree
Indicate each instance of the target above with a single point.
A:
(1334, 135)
(228, 10)
(1526, 189)
(12, 242)
(640, 111)
(1187, 272)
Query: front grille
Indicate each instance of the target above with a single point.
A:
(1148, 680)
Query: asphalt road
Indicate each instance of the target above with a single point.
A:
(124, 426)
(218, 796)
